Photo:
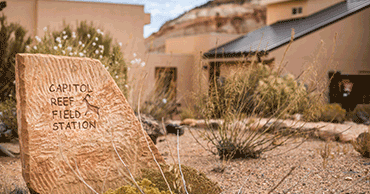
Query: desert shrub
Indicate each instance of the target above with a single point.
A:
(146, 185)
(242, 97)
(235, 94)
(251, 92)
(362, 144)
(86, 41)
(196, 182)
(12, 41)
(333, 113)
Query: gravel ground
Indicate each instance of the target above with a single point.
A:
(345, 171)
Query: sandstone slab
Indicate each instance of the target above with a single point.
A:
(71, 115)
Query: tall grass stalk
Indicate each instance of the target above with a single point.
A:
(147, 142)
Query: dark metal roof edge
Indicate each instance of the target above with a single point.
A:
(303, 34)
(231, 55)
(213, 49)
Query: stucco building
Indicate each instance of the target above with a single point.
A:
(190, 58)
(316, 23)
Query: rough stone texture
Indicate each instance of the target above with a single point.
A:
(218, 16)
(49, 150)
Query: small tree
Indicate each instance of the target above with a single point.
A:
(12, 41)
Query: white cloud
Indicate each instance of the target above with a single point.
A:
(178, 9)
(153, 4)
(168, 5)
(154, 12)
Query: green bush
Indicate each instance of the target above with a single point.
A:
(333, 113)
(276, 93)
(86, 41)
(146, 185)
(9, 114)
(12, 41)
(196, 183)
(152, 182)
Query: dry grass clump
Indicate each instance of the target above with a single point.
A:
(326, 153)
(256, 90)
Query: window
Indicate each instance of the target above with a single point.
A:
(296, 10)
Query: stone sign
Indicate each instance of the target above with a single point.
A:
(71, 116)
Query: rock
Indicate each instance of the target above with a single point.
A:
(201, 124)
(189, 122)
(363, 137)
(275, 126)
(172, 128)
(346, 137)
(5, 152)
(361, 114)
(348, 178)
(361, 117)
(297, 117)
(327, 135)
(72, 119)
(214, 124)
(152, 127)
(362, 144)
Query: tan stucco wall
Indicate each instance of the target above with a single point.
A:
(352, 53)
(22, 12)
(282, 10)
(124, 22)
(183, 63)
(194, 45)
(314, 6)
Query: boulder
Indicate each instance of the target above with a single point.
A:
(151, 126)
(76, 126)
(173, 128)
(189, 122)
(361, 114)
(362, 144)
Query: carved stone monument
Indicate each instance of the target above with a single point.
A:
(72, 118)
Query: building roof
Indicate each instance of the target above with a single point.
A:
(278, 34)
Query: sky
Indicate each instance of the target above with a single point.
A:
(160, 10)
